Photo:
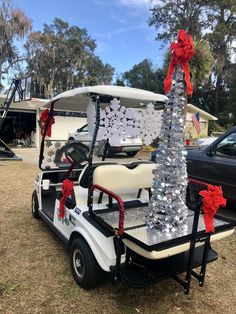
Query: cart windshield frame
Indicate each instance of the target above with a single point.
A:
(77, 100)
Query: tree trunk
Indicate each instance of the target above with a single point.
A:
(218, 92)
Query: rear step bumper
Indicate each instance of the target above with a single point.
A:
(141, 272)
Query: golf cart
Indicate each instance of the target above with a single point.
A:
(98, 208)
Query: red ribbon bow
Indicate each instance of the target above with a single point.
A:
(182, 52)
(67, 187)
(43, 119)
(212, 200)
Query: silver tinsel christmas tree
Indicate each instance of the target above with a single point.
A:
(167, 209)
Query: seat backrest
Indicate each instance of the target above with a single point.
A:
(88, 171)
(119, 177)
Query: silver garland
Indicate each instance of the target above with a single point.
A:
(167, 208)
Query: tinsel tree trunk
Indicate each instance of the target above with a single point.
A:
(167, 208)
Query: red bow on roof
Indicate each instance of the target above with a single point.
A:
(67, 187)
(212, 200)
(182, 52)
(43, 118)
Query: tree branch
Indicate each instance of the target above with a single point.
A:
(5, 70)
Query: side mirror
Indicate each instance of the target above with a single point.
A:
(210, 152)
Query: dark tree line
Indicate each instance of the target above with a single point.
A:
(61, 56)
(58, 58)
(212, 23)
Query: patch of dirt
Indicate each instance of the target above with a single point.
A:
(35, 274)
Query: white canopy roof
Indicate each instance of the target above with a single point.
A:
(77, 99)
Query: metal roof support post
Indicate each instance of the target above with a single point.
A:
(41, 156)
(95, 130)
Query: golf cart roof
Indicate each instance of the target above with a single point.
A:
(77, 99)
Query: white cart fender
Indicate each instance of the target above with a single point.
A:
(103, 260)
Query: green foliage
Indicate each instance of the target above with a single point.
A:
(201, 64)
(215, 127)
(119, 81)
(168, 16)
(212, 23)
(62, 57)
(14, 25)
(145, 76)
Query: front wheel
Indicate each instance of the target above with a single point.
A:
(35, 205)
(85, 269)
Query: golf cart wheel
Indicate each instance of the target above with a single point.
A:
(35, 205)
(85, 269)
(131, 154)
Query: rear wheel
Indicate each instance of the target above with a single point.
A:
(35, 205)
(131, 154)
(85, 269)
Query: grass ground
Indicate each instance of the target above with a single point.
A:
(35, 273)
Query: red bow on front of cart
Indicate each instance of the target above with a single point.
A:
(44, 118)
(67, 187)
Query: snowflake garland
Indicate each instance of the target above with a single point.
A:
(148, 124)
(117, 122)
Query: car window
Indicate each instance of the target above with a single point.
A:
(84, 128)
(227, 146)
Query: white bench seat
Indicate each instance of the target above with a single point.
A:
(121, 180)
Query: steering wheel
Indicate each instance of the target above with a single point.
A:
(75, 153)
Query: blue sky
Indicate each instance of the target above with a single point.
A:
(119, 27)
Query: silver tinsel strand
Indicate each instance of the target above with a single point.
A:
(167, 208)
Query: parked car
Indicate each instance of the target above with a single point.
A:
(129, 145)
(216, 163)
(205, 141)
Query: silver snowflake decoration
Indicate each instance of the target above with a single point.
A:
(116, 122)
(148, 124)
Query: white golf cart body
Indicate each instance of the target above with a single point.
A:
(78, 100)
(93, 214)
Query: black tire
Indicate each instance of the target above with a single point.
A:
(85, 269)
(131, 154)
(35, 205)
